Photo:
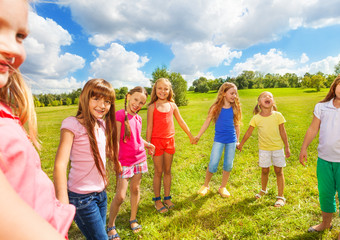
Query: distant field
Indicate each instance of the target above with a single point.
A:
(211, 217)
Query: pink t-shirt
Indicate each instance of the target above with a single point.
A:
(20, 163)
(132, 152)
(84, 177)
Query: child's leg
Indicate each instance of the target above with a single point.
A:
(264, 179)
(225, 178)
(280, 180)
(122, 185)
(229, 155)
(157, 179)
(167, 176)
(327, 189)
(215, 156)
(208, 177)
(135, 196)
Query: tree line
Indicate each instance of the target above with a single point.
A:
(245, 80)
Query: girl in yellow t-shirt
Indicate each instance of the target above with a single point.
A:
(273, 143)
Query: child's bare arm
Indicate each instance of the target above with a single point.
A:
(182, 123)
(149, 125)
(310, 135)
(60, 165)
(284, 138)
(245, 137)
(204, 127)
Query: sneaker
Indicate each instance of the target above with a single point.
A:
(203, 190)
(224, 192)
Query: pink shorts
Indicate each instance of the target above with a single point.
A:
(163, 145)
(129, 172)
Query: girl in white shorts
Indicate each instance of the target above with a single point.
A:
(273, 143)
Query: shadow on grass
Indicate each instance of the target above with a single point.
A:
(310, 91)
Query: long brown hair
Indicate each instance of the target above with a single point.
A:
(216, 107)
(18, 96)
(331, 92)
(154, 97)
(257, 108)
(100, 88)
(127, 132)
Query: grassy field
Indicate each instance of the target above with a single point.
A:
(212, 217)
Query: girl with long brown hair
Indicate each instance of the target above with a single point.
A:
(87, 140)
(225, 112)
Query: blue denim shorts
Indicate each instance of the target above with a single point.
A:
(90, 213)
(216, 154)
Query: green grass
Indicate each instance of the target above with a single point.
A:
(211, 217)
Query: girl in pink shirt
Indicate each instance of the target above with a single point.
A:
(132, 157)
(28, 206)
(87, 139)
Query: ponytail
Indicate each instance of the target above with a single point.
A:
(127, 132)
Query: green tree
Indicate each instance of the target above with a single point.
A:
(159, 73)
(179, 86)
(317, 82)
(68, 101)
(337, 68)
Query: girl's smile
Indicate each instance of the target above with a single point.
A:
(136, 102)
(99, 107)
(162, 90)
(266, 100)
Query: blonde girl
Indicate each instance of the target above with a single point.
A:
(28, 206)
(273, 143)
(161, 132)
(226, 114)
(132, 157)
(87, 139)
(326, 122)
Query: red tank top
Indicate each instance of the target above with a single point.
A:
(163, 123)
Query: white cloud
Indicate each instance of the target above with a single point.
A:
(120, 67)
(64, 85)
(200, 56)
(46, 64)
(238, 24)
(304, 58)
(272, 62)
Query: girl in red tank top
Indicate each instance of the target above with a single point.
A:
(161, 132)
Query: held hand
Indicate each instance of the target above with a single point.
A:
(118, 167)
(196, 139)
(151, 149)
(239, 147)
(192, 140)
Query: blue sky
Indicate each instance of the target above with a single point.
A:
(124, 41)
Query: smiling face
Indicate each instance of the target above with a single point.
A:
(136, 102)
(13, 30)
(99, 107)
(230, 95)
(266, 100)
(162, 90)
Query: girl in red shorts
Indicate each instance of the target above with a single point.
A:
(161, 132)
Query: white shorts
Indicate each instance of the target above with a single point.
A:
(268, 158)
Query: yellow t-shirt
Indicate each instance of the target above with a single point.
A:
(268, 131)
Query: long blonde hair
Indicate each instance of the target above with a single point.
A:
(257, 108)
(154, 97)
(127, 132)
(100, 88)
(331, 92)
(18, 96)
(216, 107)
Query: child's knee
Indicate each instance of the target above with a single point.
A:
(119, 199)
(265, 171)
(135, 190)
(278, 171)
